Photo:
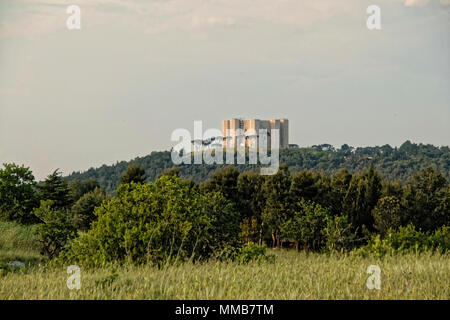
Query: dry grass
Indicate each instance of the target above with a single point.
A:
(292, 276)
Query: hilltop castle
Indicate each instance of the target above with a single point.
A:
(251, 129)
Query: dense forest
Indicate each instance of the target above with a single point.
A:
(397, 164)
(232, 215)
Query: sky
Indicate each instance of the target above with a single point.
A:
(139, 69)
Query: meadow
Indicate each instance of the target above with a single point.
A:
(18, 242)
(293, 275)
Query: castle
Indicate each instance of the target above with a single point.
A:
(230, 131)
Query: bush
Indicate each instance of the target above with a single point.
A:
(55, 231)
(18, 196)
(387, 214)
(166, 221)
(440, 239)
(339, 233)
(253, 252)
(407, 240)
(306, 226)
(82, 212)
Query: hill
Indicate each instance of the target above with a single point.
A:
(393, 163)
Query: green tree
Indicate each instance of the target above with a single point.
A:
(311, 186)
(134, 173)
(340, 184)
(391, 163)
(277, 209)
(56, 189)
(306, 225)
(387, 214)
(169, 220)
(426, 198)
(55, 231)
(361, 197)
(224, 181)
(304, 186)
(18, 195)
(174, 171)
(223, 235)
(79, 188)
(339, 233)
(392, 188)
(82, 212)
(251, 201)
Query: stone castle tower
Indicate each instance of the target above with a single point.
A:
(251, 129)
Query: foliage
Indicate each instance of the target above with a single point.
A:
(79, 188)
(253, 252)
(387, 214)
(277, 208)
(173, 219)
(406, 240)
(18, 195)
(224, 234)
(134, 174)
(391, 162)
(361, 197)
(225, 182)
(56, 189)
(251, 201)
(427, 199)
(339, 234)
(55, 231)
(82, 212)
(313, 210)
(306, 225)
(169, 220)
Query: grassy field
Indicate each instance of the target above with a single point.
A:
(18, 242)
(292, 276)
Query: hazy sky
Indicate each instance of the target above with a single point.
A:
(138, 69)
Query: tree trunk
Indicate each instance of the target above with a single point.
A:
(278, 240)
(273, 240)
(260, 233)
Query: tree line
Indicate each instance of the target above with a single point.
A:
(393, 163)
(178, 218)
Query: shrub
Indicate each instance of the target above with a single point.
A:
(387, 214)
(18, 196)
(253, 252)
(440, 239)
(166, 221)
(339, 233)
(82, 212)
(55, 231)
(407, 240)
(306, 225)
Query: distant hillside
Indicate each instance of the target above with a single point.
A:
(393, 163)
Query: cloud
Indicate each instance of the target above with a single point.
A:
(44, 16)
(415, 3)
(40, 17)
(421, 3)
(200, 22)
